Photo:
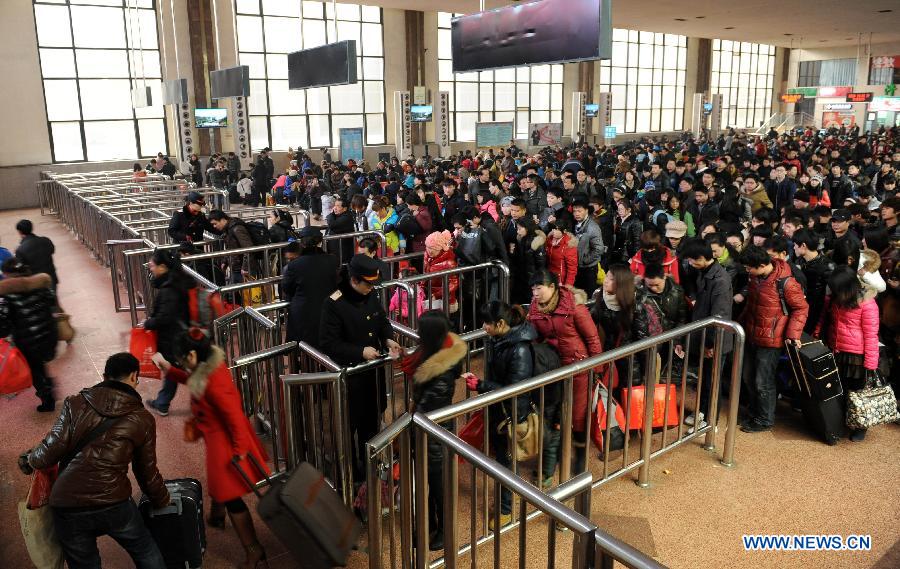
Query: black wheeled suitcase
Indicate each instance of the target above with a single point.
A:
(816, 375)
(308, 516)
(815, 370)
(178, 528)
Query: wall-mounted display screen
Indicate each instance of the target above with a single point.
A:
(211, 118)
(591, 110)
(420, 113)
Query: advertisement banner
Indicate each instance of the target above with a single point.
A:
(351, 144)
(546, 133)
(837, 119)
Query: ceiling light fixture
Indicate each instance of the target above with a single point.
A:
(788, 34)
(699, 17)
(729, 28)
(680, 20)
(884, 11)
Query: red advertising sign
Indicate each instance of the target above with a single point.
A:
(886, 62)
(834, 91)
(791, 98)
(859, 97)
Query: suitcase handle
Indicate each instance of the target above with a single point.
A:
(174, 507)
(235, 460)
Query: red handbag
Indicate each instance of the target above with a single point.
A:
(662, 414)
(142, 346)
(15, 375)
(41, 486)
(598, 423)
(472, 432)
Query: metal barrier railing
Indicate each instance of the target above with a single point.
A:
(668, 436)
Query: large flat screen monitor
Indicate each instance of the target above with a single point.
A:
(532, 33)
(332, 64)
(591, 110)
(211, 118)
(230, 82)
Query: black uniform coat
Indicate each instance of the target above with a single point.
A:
(307, 282)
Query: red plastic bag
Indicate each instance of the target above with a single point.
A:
(143, 346)
(472, 432)
(15, 375)
(41, 486)
(598, 423)
(661, 414)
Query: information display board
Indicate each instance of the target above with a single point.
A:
(351, 144)
(493, 134)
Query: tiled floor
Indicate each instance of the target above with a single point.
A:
(693, 515)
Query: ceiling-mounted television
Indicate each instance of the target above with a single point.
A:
(332, 64)
(545, 31)
(175, 92)
(231, 82)
(211, 118)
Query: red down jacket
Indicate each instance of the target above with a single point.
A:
(562, 258)
(855, 330)
(764, 319)
(445, 261)
(570, 329)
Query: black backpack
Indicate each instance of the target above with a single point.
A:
(258, 231)
(546, 359)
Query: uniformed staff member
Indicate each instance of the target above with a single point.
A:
(188, 223)
(355, 329)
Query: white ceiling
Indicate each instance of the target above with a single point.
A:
(812, 23)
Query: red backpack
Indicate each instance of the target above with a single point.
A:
(204, 307)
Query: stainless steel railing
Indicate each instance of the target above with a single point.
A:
(383, 451)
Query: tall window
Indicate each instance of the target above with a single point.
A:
(827, 73)
(268, 30)
(743, 73)
(646, 77)
(92, 54)
(522, 94)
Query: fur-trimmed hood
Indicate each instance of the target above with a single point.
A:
(442, 361)
(199, 378)
(540, 239)
(14, 285)
(871, 261)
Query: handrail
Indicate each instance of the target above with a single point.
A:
(265, 354)
(574, 521)
(522, 387)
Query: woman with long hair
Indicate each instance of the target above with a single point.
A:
(169, 316)
(510, 362)
(853, 332)
(619, 315)
(218, 418)
(676, 208)
(434, 369)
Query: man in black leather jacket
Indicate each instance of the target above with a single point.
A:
(817, 269)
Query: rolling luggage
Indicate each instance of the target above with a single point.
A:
(307, 516)
(815, 370)
(178, 528)
(816, 375)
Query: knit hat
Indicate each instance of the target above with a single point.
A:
(817, 177)
(439, 240)
(676, 229)
(506, 201)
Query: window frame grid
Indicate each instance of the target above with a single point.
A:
(361, 81)
(453, 81)
(632, 67)
(738, 87)
(130, 57)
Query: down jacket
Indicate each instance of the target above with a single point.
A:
(764, 319)
(434, 382)
(855, 330)
(30, 311)
(511, 361)
(445, 261)
(562, 258)
(226, 431)
(98, 475)
(570, 329)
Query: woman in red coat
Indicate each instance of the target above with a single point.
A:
(439, 256)
(563, 321)
(562, 252)
(226, 432)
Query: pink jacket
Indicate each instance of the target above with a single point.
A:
(855, 330)
(400, 303)
(491, 208)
